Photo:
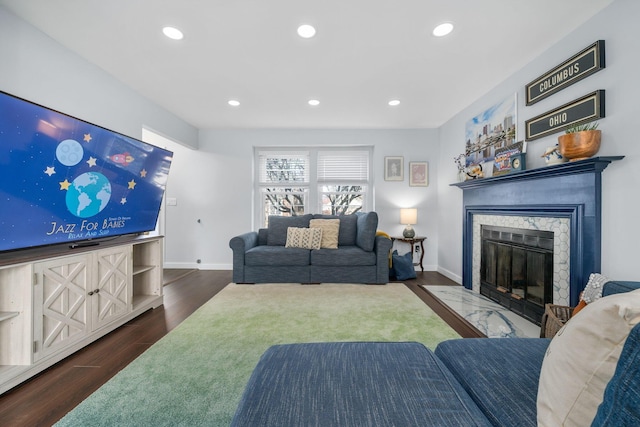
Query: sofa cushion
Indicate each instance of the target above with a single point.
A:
(343, 256)
(354, 384)
(367, 227)
(618, 287)
(276, 256)
(278, 227)
(500, 375)
(330, 231)
(348, 228)
(305, 238)
(582, 358)
(621, 404)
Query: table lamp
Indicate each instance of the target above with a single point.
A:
(409, 216)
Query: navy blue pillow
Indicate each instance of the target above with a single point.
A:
(621, 404)
(402, 266)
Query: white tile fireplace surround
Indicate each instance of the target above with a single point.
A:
(561, 251)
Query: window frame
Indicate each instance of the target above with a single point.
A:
(313, 203)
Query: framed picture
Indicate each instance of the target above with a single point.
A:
(490, 130)
(418, 174)
(394, 168)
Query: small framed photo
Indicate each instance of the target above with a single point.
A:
(394, 168)
(418, 174)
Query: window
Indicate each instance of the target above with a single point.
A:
(332, 181)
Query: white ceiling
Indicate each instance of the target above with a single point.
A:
(365, 53)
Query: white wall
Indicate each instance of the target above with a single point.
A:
(617, 25)
(215, 184)
(37, 68)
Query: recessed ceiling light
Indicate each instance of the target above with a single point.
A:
(306, 31)
(394, 102)
(443, 29)
(314, 102)
(233, 103)
(173, 33)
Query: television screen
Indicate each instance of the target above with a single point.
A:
(66, 180)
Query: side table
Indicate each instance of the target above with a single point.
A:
(413, 241)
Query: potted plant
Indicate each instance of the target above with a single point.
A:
(580, 142)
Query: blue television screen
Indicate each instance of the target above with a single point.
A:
(64, 180)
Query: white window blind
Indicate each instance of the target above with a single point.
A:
(343, 167)
(283, 168)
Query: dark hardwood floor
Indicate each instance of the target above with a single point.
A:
(47, 397)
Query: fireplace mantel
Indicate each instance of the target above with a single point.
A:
(595, 164)
(569, 190)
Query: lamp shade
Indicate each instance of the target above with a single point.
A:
(409, 216)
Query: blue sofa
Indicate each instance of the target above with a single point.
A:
(465, 382)
(361, 256)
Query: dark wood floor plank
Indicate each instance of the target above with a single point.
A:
(48, 396)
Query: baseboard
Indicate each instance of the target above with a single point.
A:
(450, 275)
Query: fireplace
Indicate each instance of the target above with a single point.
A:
(562, 199)
(516, 269)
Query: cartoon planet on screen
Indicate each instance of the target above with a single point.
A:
(88, 194)
(69, 152)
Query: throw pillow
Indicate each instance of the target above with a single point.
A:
(305, 238)
(582, 358)
(593, 290)
(330, 230)
(621, 404)
(402, 266)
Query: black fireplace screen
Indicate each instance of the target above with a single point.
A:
(516, 269)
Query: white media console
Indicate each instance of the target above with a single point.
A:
(55, 300)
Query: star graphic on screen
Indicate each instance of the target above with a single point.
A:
(92, 161)
(64, 185)
(87, 137)
(50, 170)
(132, 184)
(143, 173)
(123, 200)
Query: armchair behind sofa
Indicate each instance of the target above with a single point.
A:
(361, 256)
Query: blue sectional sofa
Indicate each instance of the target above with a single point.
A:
(465, 382)
(361, 256)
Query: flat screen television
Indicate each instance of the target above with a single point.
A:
(64, 180)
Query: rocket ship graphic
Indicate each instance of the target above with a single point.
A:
(122, 158)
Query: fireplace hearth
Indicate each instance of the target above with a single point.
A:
(517, 269)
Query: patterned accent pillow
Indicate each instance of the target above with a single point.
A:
(330, 230)
(593, 290)
(305, 238)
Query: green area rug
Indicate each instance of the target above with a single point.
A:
(195, 375)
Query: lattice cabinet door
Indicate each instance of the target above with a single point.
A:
(112, 294)
(60, 304)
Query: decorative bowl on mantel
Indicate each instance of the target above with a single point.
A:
(579, 145)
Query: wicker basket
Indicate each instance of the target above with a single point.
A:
(554, 318)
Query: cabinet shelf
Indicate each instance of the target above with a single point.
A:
(6, 315)
(141, 300)
(138, 269)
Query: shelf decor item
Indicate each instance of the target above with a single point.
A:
(552, 156)
(409, 217)
(580, 142)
